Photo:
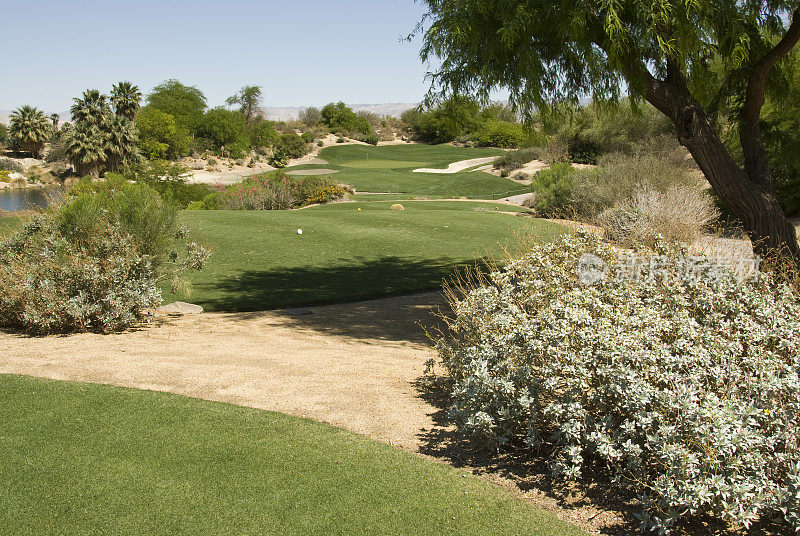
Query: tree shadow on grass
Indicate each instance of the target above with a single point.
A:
(593, 503)
(355, 289)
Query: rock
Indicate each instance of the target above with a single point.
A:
(180, 308)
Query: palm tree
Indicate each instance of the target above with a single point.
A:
(55, 118)
(121, 143)
(29, 129)
(92, 108)
(86, 146)
(126, 98)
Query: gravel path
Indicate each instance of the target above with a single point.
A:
(350, 365)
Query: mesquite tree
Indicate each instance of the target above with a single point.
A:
(668, 52)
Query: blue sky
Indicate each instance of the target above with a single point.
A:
(302, 53)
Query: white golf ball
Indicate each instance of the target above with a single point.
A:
(299, 231)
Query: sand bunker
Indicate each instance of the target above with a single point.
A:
(461, 165)
(315, 171)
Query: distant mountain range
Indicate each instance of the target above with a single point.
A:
(286, 113)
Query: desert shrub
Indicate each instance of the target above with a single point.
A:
(555, 189)
(609, 128)
(274, 191)
(35, 174)
(292, 145)
(370, 138)
(257, 193)
(279, 159)
(57, 152)
(678, 214)
(7, 164)
(589, 192)
(325, 194)
(512, 160)
(308, 190)
(495, 133)
(94, 263)
(682, 391)
(340, 139)
(4, 176)
(583, 150)
(169, 179)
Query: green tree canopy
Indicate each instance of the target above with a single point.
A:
(310, 116)
(248, 100)
(339, 117)
(185, 103)
(160, 137)
(658, 50)
(225, 128)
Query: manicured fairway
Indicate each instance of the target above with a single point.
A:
(80, 459)
(344, 254)
(389, 169)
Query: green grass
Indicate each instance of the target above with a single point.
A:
(389, 169)
(9, 224)
(344, 254)
(80, 459)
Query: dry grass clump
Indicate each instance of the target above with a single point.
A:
(679, 214)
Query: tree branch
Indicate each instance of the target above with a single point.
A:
(756, 162)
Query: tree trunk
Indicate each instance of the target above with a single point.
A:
(749, 197)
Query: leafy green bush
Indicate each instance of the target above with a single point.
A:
(495, 133)
(292, 145)
(554, 188)
(169, 180)
(370, 138)
(682, 391)
(3, 134)
(583, 150)
(92, 264)
(263, 134)
(7, 164)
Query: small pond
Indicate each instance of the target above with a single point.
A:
(13, 200)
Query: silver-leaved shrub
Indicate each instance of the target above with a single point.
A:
(93, 263)
(685, 390)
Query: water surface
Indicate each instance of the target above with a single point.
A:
(13, 200)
